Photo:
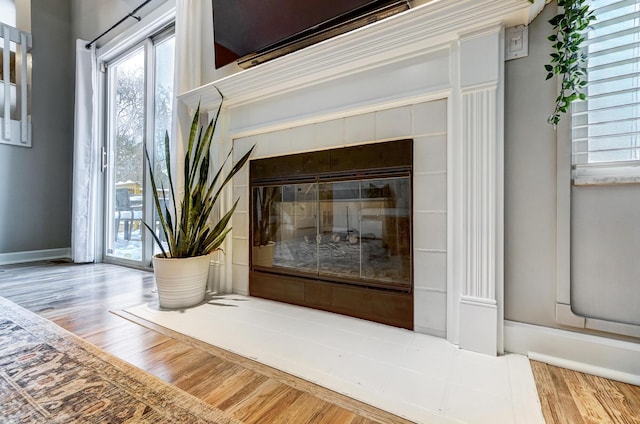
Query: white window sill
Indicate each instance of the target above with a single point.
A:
(606, 174)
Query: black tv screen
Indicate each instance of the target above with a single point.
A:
(246, 27)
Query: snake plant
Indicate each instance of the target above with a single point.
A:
(189, 231)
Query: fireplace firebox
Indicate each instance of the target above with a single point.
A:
(332, 230)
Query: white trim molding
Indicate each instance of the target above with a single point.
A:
(408, 34)
(34, 255)
(601, 356)
(481, 58)
(606, 174)
(566, 316)
(155, 21)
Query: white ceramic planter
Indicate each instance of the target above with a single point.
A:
(181, 282)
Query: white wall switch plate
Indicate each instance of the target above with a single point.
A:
(516, 42)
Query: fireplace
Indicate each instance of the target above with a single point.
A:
(434, 75)
(332, 230)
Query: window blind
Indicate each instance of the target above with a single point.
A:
(606, 127)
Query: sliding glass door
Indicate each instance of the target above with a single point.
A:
(139, 109)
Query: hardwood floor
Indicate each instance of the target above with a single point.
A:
(83, 299)
(574, 398)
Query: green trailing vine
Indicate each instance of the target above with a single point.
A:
(567, 60)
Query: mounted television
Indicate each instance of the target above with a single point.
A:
(254, 31)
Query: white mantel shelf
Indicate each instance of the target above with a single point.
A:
(409, 33)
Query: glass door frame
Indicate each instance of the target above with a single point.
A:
(108, 96)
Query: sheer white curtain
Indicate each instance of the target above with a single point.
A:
(187, 74)
(188, 44)
(86, 158)
(194, 29)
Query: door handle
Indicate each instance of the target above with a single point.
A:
(104, 159)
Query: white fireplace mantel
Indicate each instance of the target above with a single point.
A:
(444, 49)
(422, 28)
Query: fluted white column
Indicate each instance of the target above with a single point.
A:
(481, 120)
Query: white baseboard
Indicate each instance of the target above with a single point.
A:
(34, 255)
(601, 356)
(478, 325)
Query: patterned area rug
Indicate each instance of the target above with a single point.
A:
(48, 375)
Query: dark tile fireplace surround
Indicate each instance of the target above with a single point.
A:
(332, 230)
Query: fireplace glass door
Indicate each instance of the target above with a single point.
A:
(331, 230)
(353, 230)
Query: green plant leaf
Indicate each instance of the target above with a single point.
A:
(155, 237)
(188, 229)
(165, 227)
(567, 57)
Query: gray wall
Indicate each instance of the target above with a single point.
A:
(530, 183)
(605, 234)
(35, 183)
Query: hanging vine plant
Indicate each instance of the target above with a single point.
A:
(567, 60)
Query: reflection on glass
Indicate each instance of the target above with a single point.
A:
(163, 102)
(352, 230)
(339, 241)
(128, 124)
(284, 227)
(385, 230)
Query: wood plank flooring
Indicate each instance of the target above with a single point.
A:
(82, 299)
(574, 398)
